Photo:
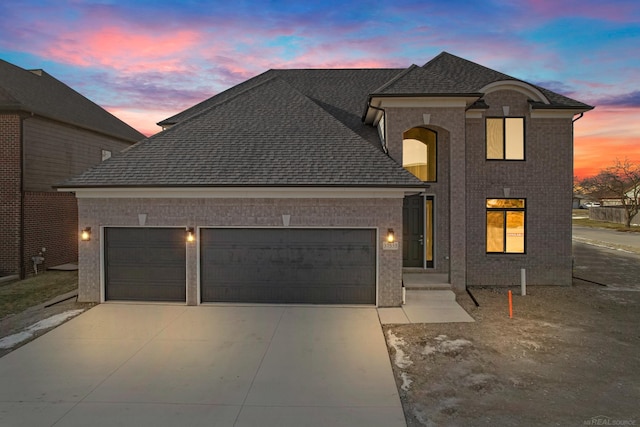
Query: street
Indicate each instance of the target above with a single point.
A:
(607, 238)
(607, 257)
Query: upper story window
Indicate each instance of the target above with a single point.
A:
(505, 226)
(505, 138)
(419, 153)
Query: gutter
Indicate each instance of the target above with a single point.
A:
(73, 187)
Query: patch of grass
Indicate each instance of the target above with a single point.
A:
(18, 296)
(585, 222)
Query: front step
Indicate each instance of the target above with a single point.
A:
(426, 281)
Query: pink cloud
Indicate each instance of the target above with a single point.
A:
(124, 50)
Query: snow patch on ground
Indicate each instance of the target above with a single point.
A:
(445, 346)
(401, 360)
(15, 339)
(429, 349)
(455, 345)
(406, 381)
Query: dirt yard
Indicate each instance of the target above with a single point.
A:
(27, 302)
(568, 357)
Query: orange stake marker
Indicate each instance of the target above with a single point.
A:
(510, 306)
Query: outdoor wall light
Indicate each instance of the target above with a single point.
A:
(85, 234)
(191, 235)
(391, 236)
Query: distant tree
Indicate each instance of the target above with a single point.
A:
(620, 181)
(577, 185)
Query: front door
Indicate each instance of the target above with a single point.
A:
(413, 231)
(417, 231)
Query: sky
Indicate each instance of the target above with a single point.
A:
(146, 60)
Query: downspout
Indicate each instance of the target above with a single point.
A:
(578, 118)
(384, 115)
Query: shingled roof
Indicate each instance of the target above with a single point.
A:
(471, 77)
(37, 92)
(269, 134)
(417, 81)
(291, 128)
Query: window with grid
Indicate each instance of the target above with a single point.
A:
(505, 226)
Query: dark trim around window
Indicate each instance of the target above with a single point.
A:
(504, 139)
(504, 210)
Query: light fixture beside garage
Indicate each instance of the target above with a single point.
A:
(191, 235)
(391, 236)
(85, 234)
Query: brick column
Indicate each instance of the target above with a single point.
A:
(10, 193)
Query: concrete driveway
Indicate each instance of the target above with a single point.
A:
(168, 365)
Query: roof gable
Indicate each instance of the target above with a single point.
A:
(419, 81)
(469, 76)
(472, 77)
(39, 93)
(267, 135)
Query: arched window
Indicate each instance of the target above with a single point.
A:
(419, 153)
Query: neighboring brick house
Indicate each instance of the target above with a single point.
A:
(325, 186)
(48, 133)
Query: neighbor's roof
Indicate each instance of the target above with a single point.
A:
(290, 128)
(39, 93)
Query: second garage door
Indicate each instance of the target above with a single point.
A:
(307, 266)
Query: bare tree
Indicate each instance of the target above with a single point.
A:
(620, 181)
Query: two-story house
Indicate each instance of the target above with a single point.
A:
(324, 186)
(48, 133)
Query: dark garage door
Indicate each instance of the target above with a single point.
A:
(308, 266)
(145, 264)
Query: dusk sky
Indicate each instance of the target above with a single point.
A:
(146, 60)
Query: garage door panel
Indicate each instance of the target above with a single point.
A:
(289, 294)
(323, 266)
(133, 291)
(145, 264)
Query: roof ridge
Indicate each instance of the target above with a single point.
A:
(217, 104)
(211, 98)
(396, 78)
(445, 54)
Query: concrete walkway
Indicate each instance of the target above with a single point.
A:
(168, 365)
(429, 299)
(430, 306)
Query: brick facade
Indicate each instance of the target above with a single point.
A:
(50, 221)
(544, 179)
(465, 179)
(10, 193)
(380, 213)
(31, 219)
(449, 189)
